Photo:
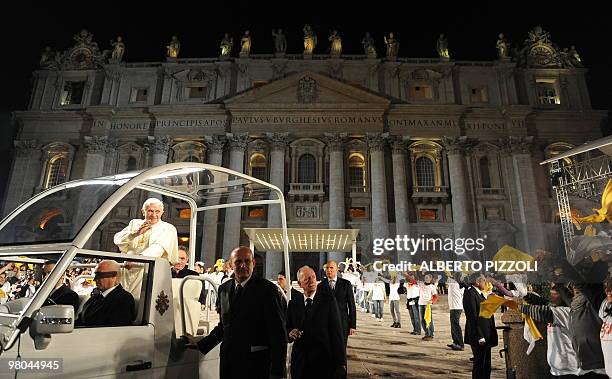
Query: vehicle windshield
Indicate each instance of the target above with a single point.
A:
(20, 280)
(59, 216)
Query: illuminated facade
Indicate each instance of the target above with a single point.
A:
(388, 145)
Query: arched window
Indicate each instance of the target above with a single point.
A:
(258, 166)
(425, 174)
(57, 170)
(307, 169)
(357, 179)
(132, 164)
(191, 158)
(485, 175)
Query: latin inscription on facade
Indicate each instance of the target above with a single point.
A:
(418, 123)
(160, 124)
(285, 120)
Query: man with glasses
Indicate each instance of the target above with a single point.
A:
(109, 304)
(61, 294)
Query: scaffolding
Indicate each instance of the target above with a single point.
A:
(577, 172)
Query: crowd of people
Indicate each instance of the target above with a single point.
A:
(259, 320)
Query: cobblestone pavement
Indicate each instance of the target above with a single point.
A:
(379, 351)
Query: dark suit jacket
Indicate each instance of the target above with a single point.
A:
(257, 318)
(116, 309)
(477, 327)
(346, 302)
(64, 296)
(320, 351)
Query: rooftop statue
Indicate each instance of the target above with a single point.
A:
(503, 47)
(336, 43)
(245, 44)
(227, 43)
(280, 41)
(173, 48)
(310, 39)
(442, 47)
(392, 46)
(369, 47)
(118, 50)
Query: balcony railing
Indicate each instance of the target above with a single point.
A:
(358, 189)
(430, 189)
(306, 189)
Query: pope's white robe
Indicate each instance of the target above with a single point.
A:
(160, 241)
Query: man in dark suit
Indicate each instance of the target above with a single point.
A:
(180, 270)
(109, 304)
(61, 294)
(281, 279)
(252, 328)
(480, 332)
(313, 323)
(342, 290)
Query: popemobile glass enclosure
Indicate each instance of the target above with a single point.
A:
(40, 230)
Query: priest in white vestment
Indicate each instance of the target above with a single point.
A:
(150, 237)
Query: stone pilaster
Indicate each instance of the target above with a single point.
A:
(25, 174)
(215, 147)
(520, 149)
(278, 144)
(159, 147)
(455, 151)
(380, 215)
(97, 149)
(231, 235)
(398, 154)
(337, 210)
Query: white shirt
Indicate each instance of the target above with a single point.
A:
(412, 290)
(105, 293)
(333, 282)
(606, 337)
(393, 295)
(426, 292)
(378, 291)
(455, 295)
(6, 291)
(311, 297)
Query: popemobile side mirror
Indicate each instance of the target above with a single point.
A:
(52, 319)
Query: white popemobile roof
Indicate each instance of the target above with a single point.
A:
(304, 240)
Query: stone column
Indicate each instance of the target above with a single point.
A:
(527, 193)
(400, 191)
(378, 186)
(97, 148)
(455, 149)
(231, 234)
(159, 147)
(278, 143)
(337, 211)
(25, 174)
(208, 252)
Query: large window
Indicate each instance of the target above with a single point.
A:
(420, 92)
(72, 93)
(485, 174)
(57, 170)
(357, 179)
(307, 169)
(546, 91)
(258, 166)
(425, 174)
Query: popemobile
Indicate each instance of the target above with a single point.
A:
(42, 339)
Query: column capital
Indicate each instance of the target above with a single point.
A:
(399, 144)
(458, 145)
(335, 141)
(24, 148)
(158, 144)
(518, 144)
(215, 144)
(99, 144)
(377, 141)
(278, 141)
(238, 142)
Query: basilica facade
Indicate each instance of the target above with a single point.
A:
(386, 144)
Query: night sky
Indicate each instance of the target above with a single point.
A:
(146, 28)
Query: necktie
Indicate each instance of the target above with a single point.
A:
(332, 284)
(308, 307)
(238, 292)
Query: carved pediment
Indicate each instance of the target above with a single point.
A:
(84, 55)
(307, 88)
